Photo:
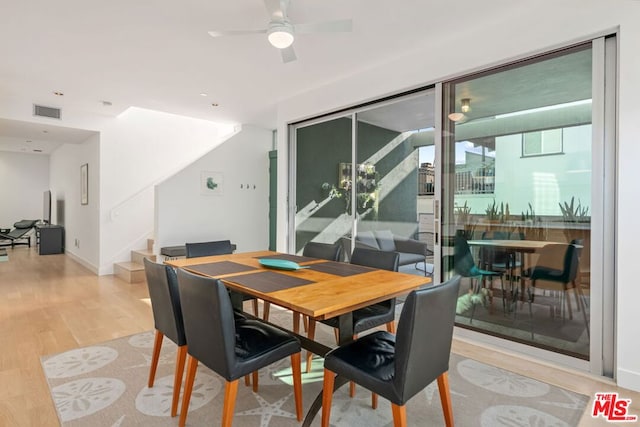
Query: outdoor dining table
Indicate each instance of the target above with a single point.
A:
(516, 246)
(319, 289)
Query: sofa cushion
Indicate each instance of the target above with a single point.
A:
(367, 238)
(385, 240)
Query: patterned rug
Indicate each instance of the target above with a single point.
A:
(105, 385)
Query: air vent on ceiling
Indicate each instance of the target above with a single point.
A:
(42, 111)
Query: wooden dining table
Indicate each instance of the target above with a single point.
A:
(319, 289)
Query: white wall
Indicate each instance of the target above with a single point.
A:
(23, 180)
(187, 214)
(81, 222)
(138, 149)
(459, 52)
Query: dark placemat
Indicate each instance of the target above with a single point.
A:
(339, 268)
(288, 257)
(220, 268)
(269, 281)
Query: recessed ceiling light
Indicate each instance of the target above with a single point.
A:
(28, 140)
(106, 103)
(203, 94)
(37, 150)
(215, 104)
(58, 93)
(45, 131)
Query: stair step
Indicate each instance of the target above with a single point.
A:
(130, 272)
(139, 255)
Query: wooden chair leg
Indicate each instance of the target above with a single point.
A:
(177, 378)
(265, 310)
(399, 415)
(230, 394)
(311, 335)
(445, 398)
(305, 323)
(352, 389)
(374, 401)
(192, 367)
(157, 345)
(327, 396)
(255, 307)
(391, 327)
(247, 380)
(296, 370)
(296, 322)
(255, 381)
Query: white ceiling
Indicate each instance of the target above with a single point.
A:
(156, 54)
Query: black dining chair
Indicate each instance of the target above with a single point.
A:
(328, 251)
(167, 318)
(557, 270)
(231, 347)
(218, 247)
(198, 249)
(465, 266)
(382, 313)
(397, 367)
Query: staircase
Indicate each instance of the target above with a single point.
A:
(133, 271)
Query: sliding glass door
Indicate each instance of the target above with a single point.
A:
(375, 200)
(519, 153)
(323, 153)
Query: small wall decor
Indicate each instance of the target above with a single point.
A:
(84, 184)
(211, 183)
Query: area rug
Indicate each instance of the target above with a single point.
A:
(106, 385)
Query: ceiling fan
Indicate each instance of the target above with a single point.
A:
(281, 32)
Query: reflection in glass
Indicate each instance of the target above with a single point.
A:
(517, 191)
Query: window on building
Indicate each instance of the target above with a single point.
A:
(542, 142)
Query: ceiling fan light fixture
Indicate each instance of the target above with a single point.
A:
(280, 35)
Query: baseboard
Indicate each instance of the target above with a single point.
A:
(628, 379)
(83, 262)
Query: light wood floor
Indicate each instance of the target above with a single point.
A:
(50, 304)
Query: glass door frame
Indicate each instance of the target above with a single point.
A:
(604, 203)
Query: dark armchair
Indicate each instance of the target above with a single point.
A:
(167, 317)
(397, 367)
(230, 346)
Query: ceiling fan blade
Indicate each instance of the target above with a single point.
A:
(277, 9)
(235, 32)
(340, 26)
(288, 54)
